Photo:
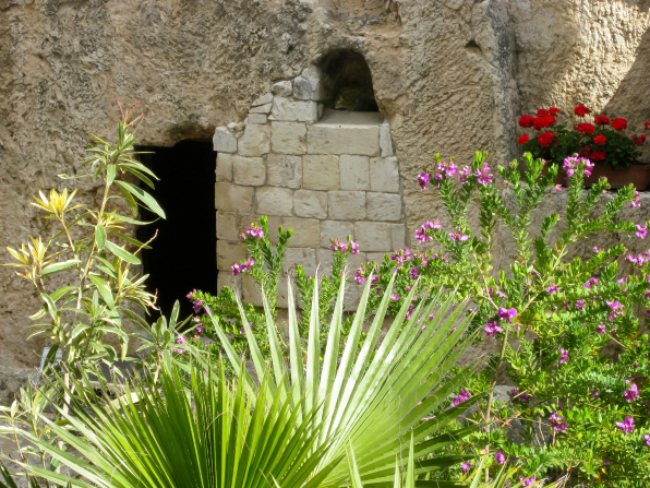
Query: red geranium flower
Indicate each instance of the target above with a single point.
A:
(542, 112)
(600, 139)
(619, 124)
(585, 128)
(585, 152)
(580, 110)
(602, 120)
(638, 140)
(545, 139)
(554, 110)
(540, 123)
(647, 125)
(523, 139)
(550, 120)
(598, 156)
(526, 121)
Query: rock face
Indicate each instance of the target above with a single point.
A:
(449, 76)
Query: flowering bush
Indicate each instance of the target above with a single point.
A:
(604, 141)
(566, 330)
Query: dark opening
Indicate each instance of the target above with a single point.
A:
(348, 82)
(184, 254)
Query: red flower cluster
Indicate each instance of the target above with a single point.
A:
(600, 140)
(542, 121)
(601, 120)
(638, 139)
(523, 139)
(585, 128)
(545, 139)
(619, 124)
(598, 156)
(581, 110)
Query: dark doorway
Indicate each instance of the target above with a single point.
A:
(184, 254)
(347, 82)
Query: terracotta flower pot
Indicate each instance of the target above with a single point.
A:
(637, 174)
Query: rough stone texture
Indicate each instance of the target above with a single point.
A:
(383, 206)
(308, 85)
(384, 174)
(284, 170)
(229, 253)
(355, 172)
(385, 140)
(256, 140)
(249, 171)
(320, 172)
(224, 166)
(304, 257)
(198, 65)
(227, 226)
(289, 138)
(346, 205)
(373, 236)
(306, 232)
(309, 203)
(335, 229)
(281, 89)
(274, 201)
(223, 141)
(343, 139)
(233, 198)
(256, 119)
(294, 110)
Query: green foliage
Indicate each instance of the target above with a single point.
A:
(372, 395)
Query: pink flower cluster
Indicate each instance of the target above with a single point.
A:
(463, 396)
(255, 231)
(421, 234)
(242, 267)
(557, 421)
(627, 426)
(574, 163)
(637, 200)
(638, 259)
(632, 393)
(339, 245)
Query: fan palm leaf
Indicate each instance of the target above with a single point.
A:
(373, 394)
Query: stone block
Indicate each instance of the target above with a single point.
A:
(343, 139)
(256, 140)
(374, 236)
(310, 203)
(355, 172)
(224, 166)
(229, 253)
(384, 206)
(261, 110)
(250, 291)
(284, 170)
(249, 171)
(385, 140)
(282, 89)
(227, 226)
(273, 200)
(233, 198)
(289, 137)
(263, 100)
(335, 229)
(346, 205)
(224, 141)
(256, 119)
(226, 278)
(320, 172)
(308, 85)
(306, 232)
(398, 232)
(304, 257)
(294, 110)
(384, 174)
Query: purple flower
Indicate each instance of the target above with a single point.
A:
(641, 231)
(552, 289)
(614, 305)
(596, 250)
(516, 394)
(591, 282)
(637, 200)
(483, 176)
(507, 314)
(580, 304)
(600, 329)
(595, 395)
(338, 245)
(200, 329)
(492, 328)
(458, 236)
(394, 297)
(463, 396)
(354, 247)
(565, 356)
(465, 467)
(255, 231)
(527, 481)
(646, 437)
(558, 187)
(358, 275)
(627, 426)
(197, 306)
(181, 340)
(424, 179)
(557, 421)
(190, 294)
(632, 393)
(500, 457)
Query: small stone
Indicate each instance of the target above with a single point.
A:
(256, 140)
(272, 200)
(288, 109)
(306, 232)
(282, 89)
(309, 203)
(384, 206)
(308, 85)
(224, 141)
(374, 236)
(232, 126)
(249, 171)
(256, 119)
(240, 126)
(229, 253)
(385, 140)
(320, 172)
(335, 229)
(384, 174)
(224, 166)
(227, 226)
(233, 198)
(284, 170)
(263, 100)
(289, 137)
(346, 205)
(355, 173)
